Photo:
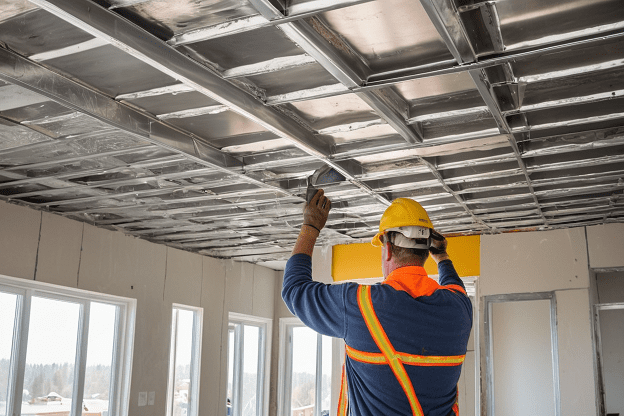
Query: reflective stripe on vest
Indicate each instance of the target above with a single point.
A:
(390, 356)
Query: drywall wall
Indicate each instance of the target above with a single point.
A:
(522, 359)
(533, 262)
(550, 261)
(606, 246)
(46, 247)
(577, 378)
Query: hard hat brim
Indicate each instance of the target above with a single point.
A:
(376, 241)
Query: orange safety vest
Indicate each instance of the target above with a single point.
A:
(396, 360)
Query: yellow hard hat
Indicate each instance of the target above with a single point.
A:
(402, 212)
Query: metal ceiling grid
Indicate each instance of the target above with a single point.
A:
(196, 123)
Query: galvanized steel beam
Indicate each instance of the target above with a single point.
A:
(140, 44)
(388, 78)
(293, 12)
(33, 77)
(446, 19)
(266, 67)
(136, 42)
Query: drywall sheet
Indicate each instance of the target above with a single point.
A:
(212, 385)
(263, 292)
(576, 351)
(533, 262)
(184, 278)
(612, 339)
(59, 250)
(19, 239)
(605, 244)
(522, 359)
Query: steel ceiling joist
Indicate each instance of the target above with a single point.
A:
(291, 13)
(447, 21)
(388, 78)
(350, 74)
(144, 46)
(385, 103)
(26, 74)
(140, 44)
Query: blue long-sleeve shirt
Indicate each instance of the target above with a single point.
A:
(417, 319)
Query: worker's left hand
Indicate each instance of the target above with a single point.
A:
(438, 243)
(316, 211)
(438, 247)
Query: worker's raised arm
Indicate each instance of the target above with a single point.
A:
(319, 306)
(446, 270)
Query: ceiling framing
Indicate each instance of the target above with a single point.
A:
(195, 123)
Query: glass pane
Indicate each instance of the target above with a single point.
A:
(230, 385)
(303, 370)
(251, 336)
(50, 357)
(102, 319)
(326, 367)
(183, 353)
(8, 303)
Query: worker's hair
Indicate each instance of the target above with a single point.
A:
(407, 255)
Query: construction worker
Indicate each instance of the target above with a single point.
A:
(406, 338)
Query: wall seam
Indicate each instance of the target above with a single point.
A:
(595, 275)
(253, 286)
(201, 283)
(165, 280)
(225, 316)
(80, 257)
(38, 246)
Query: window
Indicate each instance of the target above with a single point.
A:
(248, 344)
(306, 370)
(63, 351)
(184, 354)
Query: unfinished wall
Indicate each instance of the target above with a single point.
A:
(606, 246)
(522, 358)
(544, 262)
(45, 247)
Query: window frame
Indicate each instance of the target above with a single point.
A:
(198, 317)
(285, 367)
(123, 343)
(264, 357)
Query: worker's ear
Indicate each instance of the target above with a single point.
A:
(388, 251)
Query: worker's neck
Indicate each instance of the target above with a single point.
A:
(392, 265)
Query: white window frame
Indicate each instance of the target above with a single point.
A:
(198, 317)
(264, 358)
(121, 369)
(285, 367)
